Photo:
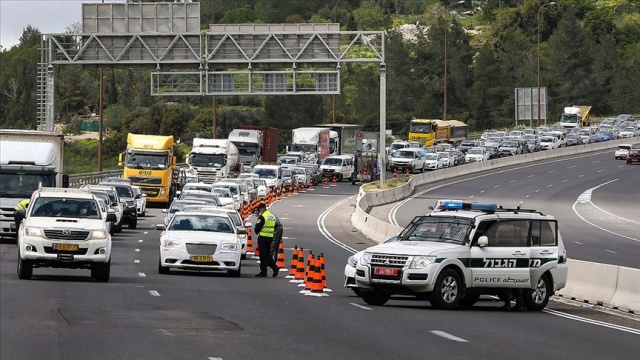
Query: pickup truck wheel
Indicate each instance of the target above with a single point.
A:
(101, 271)
(235, 273)
(538, 297)
(25, 269)
(356, 291)
(374, 297)
(446, 294)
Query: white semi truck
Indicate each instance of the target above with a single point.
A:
(311, 144)
(249, 144)
(28, 158)
(213, 159)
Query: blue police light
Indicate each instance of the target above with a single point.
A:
(469, 206)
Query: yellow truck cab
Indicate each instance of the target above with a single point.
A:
(149, 163)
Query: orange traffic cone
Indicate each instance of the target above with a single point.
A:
(311, 186)
(294, 261)
(326, 184)
(323, 273)
(308, 279)
(302, 188)
(306, 269)
(280, 261)
(316, 284)
(334, 182)
(395, 173)
(407, 172)
(295, 189)
(249, 242)
(299, 275)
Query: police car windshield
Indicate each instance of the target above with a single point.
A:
(438, 229)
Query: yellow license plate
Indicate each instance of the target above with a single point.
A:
(68, 247)
(201, 258)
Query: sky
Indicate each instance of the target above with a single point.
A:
(48, 16)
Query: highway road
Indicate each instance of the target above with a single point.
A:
(63, 314)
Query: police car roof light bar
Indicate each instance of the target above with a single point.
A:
(454, 205)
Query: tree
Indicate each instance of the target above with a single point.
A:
(369, 16)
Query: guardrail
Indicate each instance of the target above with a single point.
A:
(616, 286)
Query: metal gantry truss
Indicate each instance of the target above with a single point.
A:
(239, 59)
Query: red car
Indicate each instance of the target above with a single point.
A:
(633, 156)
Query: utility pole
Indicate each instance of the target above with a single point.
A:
(100, 122)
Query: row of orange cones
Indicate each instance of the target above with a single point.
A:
(272, 196)
(313, 276)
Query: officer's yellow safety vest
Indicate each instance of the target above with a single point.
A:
(22, 205)
(269, 227)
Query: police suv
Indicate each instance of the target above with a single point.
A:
(64, 228)
(452, 257)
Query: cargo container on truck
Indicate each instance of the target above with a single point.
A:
(432, 131)
(345, 138)
(213, 159)
(269, 141)
(27, 158)
(249, 144)
(149, 162)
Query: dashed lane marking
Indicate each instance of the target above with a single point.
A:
(595, 162)
(481, 191)
(550, 171)
(447, 336)
(530, 176)
(140, 240)
(581, 175)
(137, 250)
(496, 186)
(600, 171)
(361, 306)
(136, 261)
(142, 274)
(154, 293)
(550, 185)
(572, 166)
(611, 251)
(565, 180)
(512, 181)
(577, 242)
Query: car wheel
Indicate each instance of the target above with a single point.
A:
(25, 269)
(235, 273)
(468, 301)
(144, 213)
(447, 291)
(356, 291)
(119, 227)
(101, 271)
(375, 298)
(133, 223)
(112, 229)
(162, 269)
(538, 297)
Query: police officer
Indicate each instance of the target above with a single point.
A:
(266, 230)
(18, 216)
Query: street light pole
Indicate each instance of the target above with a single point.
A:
(446, 30)
(539, 10)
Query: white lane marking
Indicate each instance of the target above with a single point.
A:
(289, 238)
(581, 176)
(530, 176)
(549, 185)
(299, 206)
(572, 166)
(142, 274)
(552, 171)
(447, 336)
(154, 293)
(497, 186)
(512, 181)
(536, 191)
(577, 242)
(471, 197)
(611, 251)
(326, 233)
(288, 228)
(215, 358)
(136, 261)
(527, 195)
(565, 180)
(481, 191)
(600, 171)
(593, 322)
(137, 250)
(140, 240)
(284, 218)
(585, 197)
(361, 306)
(146, 232)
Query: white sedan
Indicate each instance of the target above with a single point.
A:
(447, 159)
(141, 200)
(200, 241)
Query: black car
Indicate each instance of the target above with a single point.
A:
(125, 192)
(458, 157)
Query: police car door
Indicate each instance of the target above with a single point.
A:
(544, 247)
(504, 262)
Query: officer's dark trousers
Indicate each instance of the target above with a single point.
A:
(18, 220)
(266, 259)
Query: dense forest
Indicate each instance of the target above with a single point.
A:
(589, 53)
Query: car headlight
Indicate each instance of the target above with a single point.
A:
(171, 243)
(352, 261)
(242, 236)
(99, 235)
(229, 246)
(33, 231)
(420, 262)
(365, 259)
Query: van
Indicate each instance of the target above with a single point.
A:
(339, 166)
(411, 159)
(272, 174)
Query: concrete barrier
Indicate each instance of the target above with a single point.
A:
(590, 282)
(627, 295)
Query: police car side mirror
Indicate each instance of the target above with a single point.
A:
(483, 241)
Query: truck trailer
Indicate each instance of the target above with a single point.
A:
(249, 144)
(269, 141)
(28, 159)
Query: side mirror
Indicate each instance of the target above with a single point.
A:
(120, 159)
(483, 241)
(164, 211)
(137, 196)
(111, 217)
(161, 227)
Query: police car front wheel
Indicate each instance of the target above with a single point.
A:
(374, 297)
(447, 292)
